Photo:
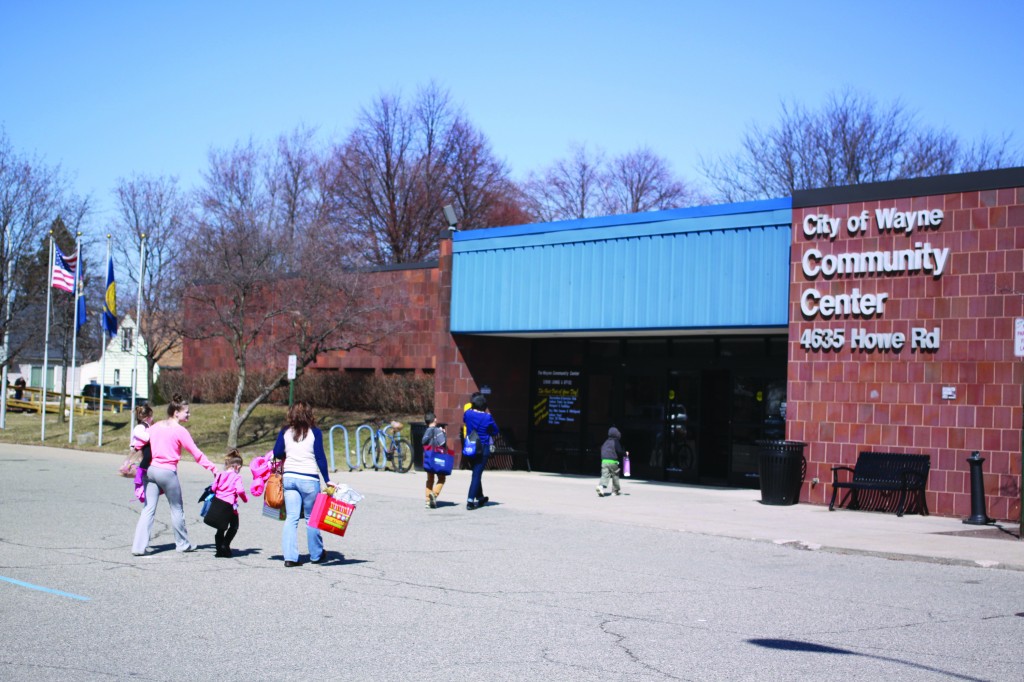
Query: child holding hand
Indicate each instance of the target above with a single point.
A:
(223, 514)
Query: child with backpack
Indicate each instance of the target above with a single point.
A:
(436, 438)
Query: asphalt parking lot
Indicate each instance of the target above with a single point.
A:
(546, 583)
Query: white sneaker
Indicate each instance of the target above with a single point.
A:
(600, 491)
(432, 501)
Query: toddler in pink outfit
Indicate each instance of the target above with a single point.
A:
(223, 515)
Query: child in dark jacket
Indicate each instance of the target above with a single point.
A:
(611, 453)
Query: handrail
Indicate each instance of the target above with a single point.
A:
(330, 438)
(33, 399)
(373, 441)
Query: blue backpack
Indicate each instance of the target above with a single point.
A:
(469, 444)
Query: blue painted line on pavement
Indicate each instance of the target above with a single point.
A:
(44, 589)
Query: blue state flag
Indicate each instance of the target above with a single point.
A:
(80, 316)
(110, 301)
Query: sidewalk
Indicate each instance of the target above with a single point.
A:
(726, 512)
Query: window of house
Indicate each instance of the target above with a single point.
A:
(117, 377)
(126, 339)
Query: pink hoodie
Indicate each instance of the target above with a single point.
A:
(228, 487)
(166, 440)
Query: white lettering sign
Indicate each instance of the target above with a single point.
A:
(921, 259)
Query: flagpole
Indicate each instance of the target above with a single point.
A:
(46, 343)
(138, 326)
(103, 354)
(74, 335)
(9, 290)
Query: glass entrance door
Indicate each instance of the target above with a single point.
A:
(677, 447)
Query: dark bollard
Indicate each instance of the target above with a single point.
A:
(978, 515)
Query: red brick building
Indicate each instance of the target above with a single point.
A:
(927, 365)
(878, 317)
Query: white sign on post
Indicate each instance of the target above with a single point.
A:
(1018, 337)
(292, 362)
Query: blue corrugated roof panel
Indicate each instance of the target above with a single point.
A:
(710, 267)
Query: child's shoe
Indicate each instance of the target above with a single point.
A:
(431, 500)
(600, 491)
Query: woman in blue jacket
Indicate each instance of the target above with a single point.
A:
(478, 419)
(301, 445)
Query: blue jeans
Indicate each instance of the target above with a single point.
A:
(476, 486)
(299, 495)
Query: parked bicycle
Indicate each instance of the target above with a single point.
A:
(390, 448)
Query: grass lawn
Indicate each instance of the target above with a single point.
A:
(208, 426)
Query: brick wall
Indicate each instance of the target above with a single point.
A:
(465, 363)
(416, 318)
(843, 401)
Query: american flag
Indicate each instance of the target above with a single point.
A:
(63, 270)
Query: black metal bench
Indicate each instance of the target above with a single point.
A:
(504, 456)
(884, 472)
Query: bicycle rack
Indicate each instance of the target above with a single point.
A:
(373, 441)
(330, 437)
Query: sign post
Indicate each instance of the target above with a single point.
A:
(292, 362)
(1018, 351)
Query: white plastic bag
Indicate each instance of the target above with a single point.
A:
(346, 494)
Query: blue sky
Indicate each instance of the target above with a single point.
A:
(113, 88)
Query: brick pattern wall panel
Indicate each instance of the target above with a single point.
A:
(415, 318)
(844, 401)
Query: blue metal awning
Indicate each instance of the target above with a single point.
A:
(685, 270)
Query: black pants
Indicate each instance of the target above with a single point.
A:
(224, 536)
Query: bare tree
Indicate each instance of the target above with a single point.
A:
(570, 188)
(586, 184)
(32, 195)
(851, 139)
(155, 210)
(402, 163)
(479, 186)
(263, 295)
(641, 181)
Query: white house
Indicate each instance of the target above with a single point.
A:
(126, 351)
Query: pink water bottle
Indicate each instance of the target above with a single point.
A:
(625, 466)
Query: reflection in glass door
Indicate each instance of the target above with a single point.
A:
(676, 448)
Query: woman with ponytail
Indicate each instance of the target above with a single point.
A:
(167, 438)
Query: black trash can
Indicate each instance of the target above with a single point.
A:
(416, 431)
(781, 466)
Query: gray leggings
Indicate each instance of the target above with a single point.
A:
(158, 480)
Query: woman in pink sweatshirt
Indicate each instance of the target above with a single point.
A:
(167, 439)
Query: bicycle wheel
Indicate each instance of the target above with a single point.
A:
(403, 456)
(686, 458)
(366, 455)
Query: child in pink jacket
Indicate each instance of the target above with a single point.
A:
(228, 489)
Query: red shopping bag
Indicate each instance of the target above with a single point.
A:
(330, 515)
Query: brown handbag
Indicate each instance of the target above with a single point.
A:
(273, 494)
